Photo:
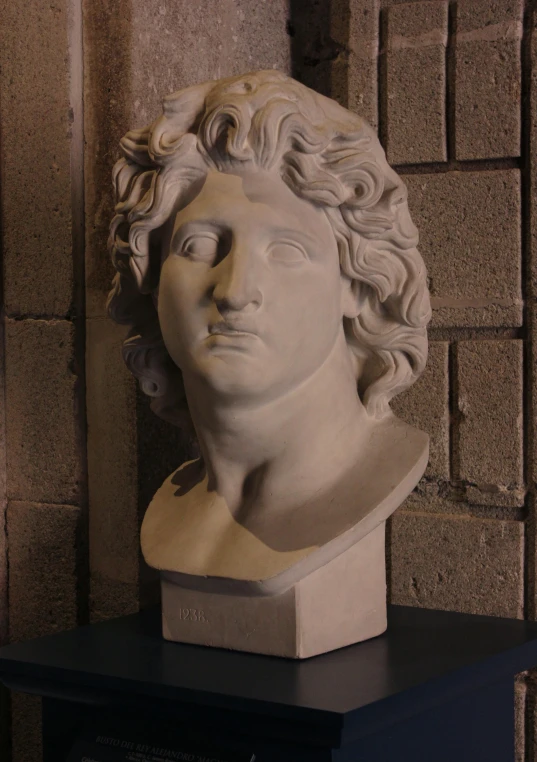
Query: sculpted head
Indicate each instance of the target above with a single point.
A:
(256, 223)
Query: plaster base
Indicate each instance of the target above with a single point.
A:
(340, 603)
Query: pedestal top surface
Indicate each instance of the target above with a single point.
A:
(424, 656)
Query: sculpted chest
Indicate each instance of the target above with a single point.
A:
(190, 532)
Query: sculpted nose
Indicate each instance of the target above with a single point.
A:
(237, 287)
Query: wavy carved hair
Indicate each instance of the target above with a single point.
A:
(325, 154)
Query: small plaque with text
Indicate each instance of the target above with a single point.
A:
(97, 747)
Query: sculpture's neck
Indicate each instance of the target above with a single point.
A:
(295, 445)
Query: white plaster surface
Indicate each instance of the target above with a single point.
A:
(268, 265)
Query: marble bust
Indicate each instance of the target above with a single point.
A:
(267, 265)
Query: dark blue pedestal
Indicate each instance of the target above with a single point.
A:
(437, 687)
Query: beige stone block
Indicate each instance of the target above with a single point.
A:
(490, 417)
(426, 406)
(335, 47)
(532, 382)
(44, 543)
(416, 82)
(133, 59)
(433, 496)
(488, 78)
(469, 225)
(458, 498)
(532, 129)
(44, 412)
(495, 496)
(35, 124)
(26, 728)
(362, 66)
(532, 317)
(259, 37)
(533, 243)
(458, 563)
(112, 471)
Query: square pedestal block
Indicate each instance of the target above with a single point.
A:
(341, 603)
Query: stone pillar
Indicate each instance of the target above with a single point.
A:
(41, 222)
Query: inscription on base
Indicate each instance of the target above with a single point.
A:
(193, 615)
(98, 747)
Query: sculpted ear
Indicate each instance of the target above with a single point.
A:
(351, 296)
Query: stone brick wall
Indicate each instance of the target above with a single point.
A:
(452, 89)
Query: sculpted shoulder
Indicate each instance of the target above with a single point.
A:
(190, 534)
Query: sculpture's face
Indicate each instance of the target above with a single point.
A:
(251, 297)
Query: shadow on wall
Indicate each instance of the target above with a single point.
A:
(319, 32)
(161, 448)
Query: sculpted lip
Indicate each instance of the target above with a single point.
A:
(225, 329)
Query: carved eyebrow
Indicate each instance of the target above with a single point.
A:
(194, 226)
(298, 235)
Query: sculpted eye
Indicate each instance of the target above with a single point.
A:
(202, 247)
(287, 252)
